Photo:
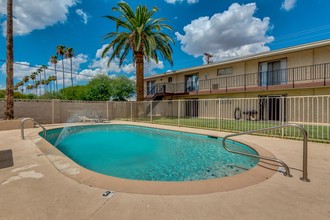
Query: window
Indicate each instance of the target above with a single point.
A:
(272, 72)
(191, 83)
(225, 71)
(169, 79)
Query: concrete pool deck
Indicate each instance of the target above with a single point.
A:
(33, 188)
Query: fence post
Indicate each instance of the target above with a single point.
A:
(107, 110)
(179, 110)
(219, 114)
(131, 111)
(150, 111)
(282, 113)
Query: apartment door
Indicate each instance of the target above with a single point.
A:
(272, 108)
(272, 73)
(191, 107)
(191, 83)
(151, 87)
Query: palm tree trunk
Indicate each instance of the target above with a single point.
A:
(56, 79)
(45, 86)
(71, 71)
(63, 74)
(139, 76)
(9, 99)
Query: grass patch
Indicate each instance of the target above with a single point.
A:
(318, 133)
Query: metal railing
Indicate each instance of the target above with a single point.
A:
(289, 77)
(236, 114)
(287, 170)
(34, 122)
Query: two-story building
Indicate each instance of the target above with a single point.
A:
(302, 70)
(294, 71)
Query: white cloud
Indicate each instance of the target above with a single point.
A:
(287, 5)
(76, 63)
(36, 15)
(180, 1)
(100, 66)
(22, 69)
(235, 32)
(84, 16)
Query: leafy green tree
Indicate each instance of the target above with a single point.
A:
(122, 88)
(75, 93)
(140, 34)
(2, 93)
(99, 88)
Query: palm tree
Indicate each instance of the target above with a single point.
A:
(60, 49)
(20, 84)
(36, 85)
(28, 88)
(25, 80)
(39, 71)
(44, 67)
(33, 77)
(47, 81)
(142, 36)
(9, 99)
(53, 60)
(69, 53)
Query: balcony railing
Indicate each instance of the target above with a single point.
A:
(304, 76)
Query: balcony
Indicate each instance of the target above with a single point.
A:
(297, 77)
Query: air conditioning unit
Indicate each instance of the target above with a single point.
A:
(215, 86)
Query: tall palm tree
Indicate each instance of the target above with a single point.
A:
(60, 50)
(36, 85)
(69, 53)
(44, 67)
(33, 77)
(28, 88)
(9, 99)
(25, 80)
(39, 71)
(53, 60)
(20, 84)
(142, 36)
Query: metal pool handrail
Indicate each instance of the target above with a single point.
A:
(44, 131)
(287, 170)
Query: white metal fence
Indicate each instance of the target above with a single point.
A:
(235, 114)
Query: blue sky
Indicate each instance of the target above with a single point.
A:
(226, 29)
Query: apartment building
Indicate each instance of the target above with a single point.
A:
(270, 77)
(294, 71)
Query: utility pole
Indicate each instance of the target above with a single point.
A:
(208, 56)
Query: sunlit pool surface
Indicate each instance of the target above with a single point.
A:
(141, 153)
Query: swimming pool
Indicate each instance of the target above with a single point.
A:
(142, 153)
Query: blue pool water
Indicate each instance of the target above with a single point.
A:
(142, 153)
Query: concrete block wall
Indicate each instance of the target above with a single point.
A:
(57, 111)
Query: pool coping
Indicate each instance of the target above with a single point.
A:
(261, 172)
